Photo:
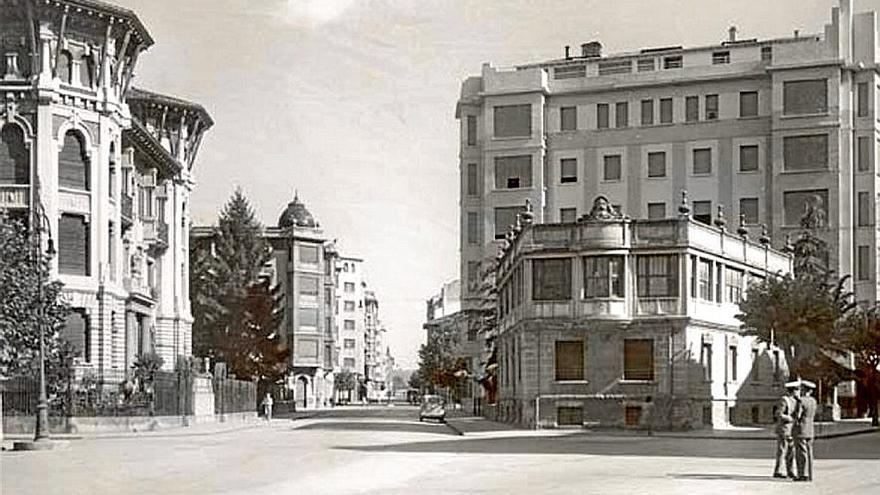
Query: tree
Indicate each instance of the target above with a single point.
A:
(438, 357)
(803, 312)
(345, 381)
(237, 314)
(862, 338)
(24, 268)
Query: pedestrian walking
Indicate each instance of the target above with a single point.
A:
(804, 432)
(784, 414)
(646, 418)
(267, 406)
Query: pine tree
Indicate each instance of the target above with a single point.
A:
(237, 315)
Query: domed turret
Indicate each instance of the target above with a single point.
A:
(297, 215)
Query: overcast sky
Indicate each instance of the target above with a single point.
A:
(352, 103)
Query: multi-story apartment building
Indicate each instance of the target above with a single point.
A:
(765, 128)
(601, 317)
(103, 170)
(351, 320)
(302, 265)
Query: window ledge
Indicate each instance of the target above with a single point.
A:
(511, 138)
(568, 183)
(703, 176)
(513, 189)
(804, 115)
(749, 117)
(749, 172)
(637, 382)
(571, 382)
(808, 171)
(611, 181)
(657, 178)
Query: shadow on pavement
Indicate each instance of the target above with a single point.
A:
(722, 476)
(386, 426)
(860, 447)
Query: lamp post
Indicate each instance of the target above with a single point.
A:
(41, 428)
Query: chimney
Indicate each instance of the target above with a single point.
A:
(593, 49)
(797, 33)
(567, 53)
(731, 34)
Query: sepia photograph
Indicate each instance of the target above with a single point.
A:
(394, 247)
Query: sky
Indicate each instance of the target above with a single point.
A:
(351, 103)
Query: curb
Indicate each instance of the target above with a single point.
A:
(458, 431)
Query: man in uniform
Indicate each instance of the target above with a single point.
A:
(784, 413)
(804, 433)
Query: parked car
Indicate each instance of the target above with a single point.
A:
(433, 407)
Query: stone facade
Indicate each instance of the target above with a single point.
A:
(601, 317)
(109, 170)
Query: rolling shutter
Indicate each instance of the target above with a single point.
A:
(73, 169)
(73, 245)
(14, 163)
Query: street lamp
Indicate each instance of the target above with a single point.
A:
(41, 428)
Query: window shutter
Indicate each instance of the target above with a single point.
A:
(73, 170)
(14, 160)
(73, 245)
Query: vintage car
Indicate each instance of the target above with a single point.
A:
(433, 407)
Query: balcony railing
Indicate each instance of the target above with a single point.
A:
(14, 195)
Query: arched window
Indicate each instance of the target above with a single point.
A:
(73, 164)
(111, 181)
(87, 71)
(64, 70)
(14, 162)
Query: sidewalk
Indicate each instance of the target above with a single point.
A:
(200, 429)
(480, 427)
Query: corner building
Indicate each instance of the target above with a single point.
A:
(765, 128)
(600, 318)
(108, 171)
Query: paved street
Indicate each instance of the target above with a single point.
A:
(386, 450)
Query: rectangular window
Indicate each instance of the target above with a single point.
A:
(473, 236)
(473, 275)
(863, 260)
(349, 343)
(863, 213)
(666, 110)
(862, 100)
(73, 245)
(569, 360)
(703, 212)
(863, 154)
(711, 107)
(602, 115)
(748, 104)
(702, 161)
(645, 64)
(348, 363)
(795, 204)
(349, 287)
(734, 283)
(505, 218)
(513, 172)
(692, 108)
(568, 118)
(704, 279)
(569, 416)
(472, 180)
(568, 170)
(647, 112)
(552, 279)
(672, 62)
(732, 358)
(349, 305)
(513, 121)
(308, 286)
(348, 325)
(766, 53)
(749, 208)
(569, 72)
(657, 164)
(621, 114)
(706, 361)
(603, 276)
(656, 211)
(638, 359)
(611, 168)
(748, 158)
(308, 254)
(308, 317)
(805, 97)
(610, 67)
(568, 215)
(471, 130)
(76, 333)
(720, 57)
(657, 276)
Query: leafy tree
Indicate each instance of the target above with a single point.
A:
(345, 381)
(237, 314)
(438, 357)
(24, 268)
(862, 338)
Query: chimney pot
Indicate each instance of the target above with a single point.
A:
(731, 33)
(567, 52)
(797, 33)
(593, 49)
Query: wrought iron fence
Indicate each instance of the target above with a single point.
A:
(234, 396)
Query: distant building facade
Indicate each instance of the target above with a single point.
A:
(108, 169)
(607, 318)
(352, 320)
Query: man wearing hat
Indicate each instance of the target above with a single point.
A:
(803, 431)
(784, 413)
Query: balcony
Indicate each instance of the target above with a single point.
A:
(657, 306)
(155, 233)
(15, 195)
